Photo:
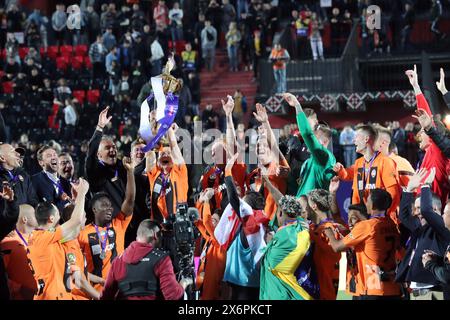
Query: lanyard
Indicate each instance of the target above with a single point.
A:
(57, 183)
(370, 168)
(381, 215)
(22, 238)
(102, 241)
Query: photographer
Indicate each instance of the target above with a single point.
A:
(144, 272)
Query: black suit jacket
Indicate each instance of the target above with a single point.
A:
(46, 191)
(422, 237)
(21, 184)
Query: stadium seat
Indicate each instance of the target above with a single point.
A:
(62, 63)
(8, 87)
(87, 62)
(52, 52)
(93, 96)
(77, 62)
(81, 50)
(80, 95)
(66, 51)
(23, 51)
(3, 54)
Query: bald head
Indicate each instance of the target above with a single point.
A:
(9, 157)
(27, 219)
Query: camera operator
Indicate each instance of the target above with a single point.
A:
(143, 271)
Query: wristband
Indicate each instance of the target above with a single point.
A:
(99, 128)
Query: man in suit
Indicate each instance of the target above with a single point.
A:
(47, 183)
(66, 171)
(15, 176)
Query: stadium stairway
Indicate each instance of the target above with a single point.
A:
(216, 85)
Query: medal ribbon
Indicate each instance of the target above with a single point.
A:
(370, 168)
(102, 240)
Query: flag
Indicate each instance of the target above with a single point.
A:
(251, 221)
(281, 260)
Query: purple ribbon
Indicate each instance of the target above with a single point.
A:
(169, 116)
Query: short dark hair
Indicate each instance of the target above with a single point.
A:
(368, 129)
(42, 150)
(43, 212)
(145, 227)
(381, 199)
(309, 112)
(361, 208)
(136, 142)
(97, 196)
(255, 200)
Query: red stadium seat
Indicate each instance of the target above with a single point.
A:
(3, 54)
(80, 95)
(81, 50)
(180, 46)
(52, 52)
(62, 63)
(8, 87)
(93, 96)
(66, 51)
(23, 52)
(77, 62)
(87, 62)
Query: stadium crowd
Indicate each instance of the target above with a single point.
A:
(83, 205)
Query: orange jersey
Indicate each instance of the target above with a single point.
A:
(326, 261)
(381, 173)
(375, 242)
(113, 238)
(48, 259)
(17, 265)
(75, 261)
(404, 169)
(168, 190)
(254, 182)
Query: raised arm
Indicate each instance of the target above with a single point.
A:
(231, 140)
(315, 148)
(233, 196)
(176, 152)
(10, 212)
(72, 227)
(407, 199)
(414, 80)
(276, 194)
(130, 191)
(94, 143)
(150, 161)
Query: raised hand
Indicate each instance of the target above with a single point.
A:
(334, 185)
(7, 193)
(441, 83)
(228, 106)
(338, 167)
(424, 119)
(412, 76)
(415, 180)
(261, 113)
(103, 118)
(231, 161)
(81, 188)
(291, 99)
(128, 164)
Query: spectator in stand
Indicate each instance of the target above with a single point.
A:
(157, 56)
(399, 138)
(189, 58)
(109, 39)
(97, 53)
(59, 24)
(279, 57)
(408, 18)
(108, 17)
(315, 38)
(435, 17)
(228, 15)
(336, 32)
(198, 28)
(32, 35)
(160, 15)
(70, 120)
(92, 24)
(233, 38)
(176, 22)
(12, 48)
(346, 140)
(209, 41)
(214, 14)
